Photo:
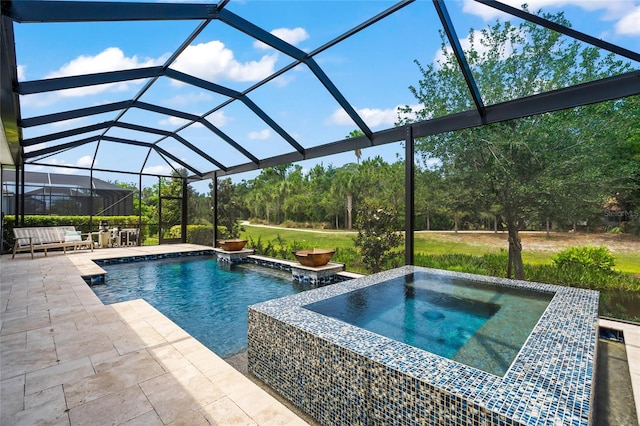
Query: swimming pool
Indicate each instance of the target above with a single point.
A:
(458, 319)
(203, 297)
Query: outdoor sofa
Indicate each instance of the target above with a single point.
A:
(49, 237)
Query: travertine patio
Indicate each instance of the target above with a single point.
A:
(69, 359)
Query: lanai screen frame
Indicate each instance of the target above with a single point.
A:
(624, 85)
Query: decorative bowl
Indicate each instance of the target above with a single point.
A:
(234, 244)
(314, 257)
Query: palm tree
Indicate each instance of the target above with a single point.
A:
(355, 134)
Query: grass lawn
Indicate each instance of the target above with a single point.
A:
(318, 239)
(537, 247)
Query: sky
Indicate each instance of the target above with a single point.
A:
(373, 70)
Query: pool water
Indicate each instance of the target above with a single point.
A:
(203, 297)
(480, 325)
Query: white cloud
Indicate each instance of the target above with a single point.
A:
(612, 10)
(374, 117)
(36, 168)
(22, 72)
(173, 121)
(214, 62)
(65, 170)
(218, 118)
(110, 59)
(85, 161)
(189, 99)
(69, 124)
(292, 36)
(485, 12)
(159, 170)
(260, 134)
(38, 100)
(340, 117)
(630, 24)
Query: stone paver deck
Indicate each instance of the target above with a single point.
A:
(67, 359)
(632, 345)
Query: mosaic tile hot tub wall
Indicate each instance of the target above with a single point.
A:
(341, 374)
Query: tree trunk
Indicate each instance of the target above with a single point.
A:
(515, 252)
(349, 208)
(428, 221)
(495, 225)
(548, 227)
(455, 225)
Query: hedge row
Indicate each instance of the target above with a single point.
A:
(81, 223)
(197, 234)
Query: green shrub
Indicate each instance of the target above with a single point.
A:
(261, 248)
(224, 233)
(377, 237)
(493, 264)
(200, 234)
(197, 234)
(632, 226)
(175, 231)
(305, 225)
(586, 256)
(348, 256)
(572, 274)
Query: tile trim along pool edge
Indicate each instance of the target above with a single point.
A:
(223, 395)
(94, 273)
(549, 382)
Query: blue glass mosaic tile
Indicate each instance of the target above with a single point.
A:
(128, 259)
(94, 279)
(341, 374)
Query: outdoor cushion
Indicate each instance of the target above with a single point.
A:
(72, 236)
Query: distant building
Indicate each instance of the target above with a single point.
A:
(59, 194)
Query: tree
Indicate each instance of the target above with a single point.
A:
(171, 192)
(377, 236)
(356, 134)
(343, 187)
(518, 165)
(198, 207)
(380, 183)
(627, 152)
(319, 190)
(146, 211)
(230, 207)
(263, 189)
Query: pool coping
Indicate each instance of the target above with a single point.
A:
(631, 333)
(534, 390)
(153, 372)
(93, 273)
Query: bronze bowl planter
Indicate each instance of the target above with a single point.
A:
(314, 257)
(234, 244)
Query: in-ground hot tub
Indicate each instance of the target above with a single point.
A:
(416, 345)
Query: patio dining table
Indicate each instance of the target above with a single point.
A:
(122, 237)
